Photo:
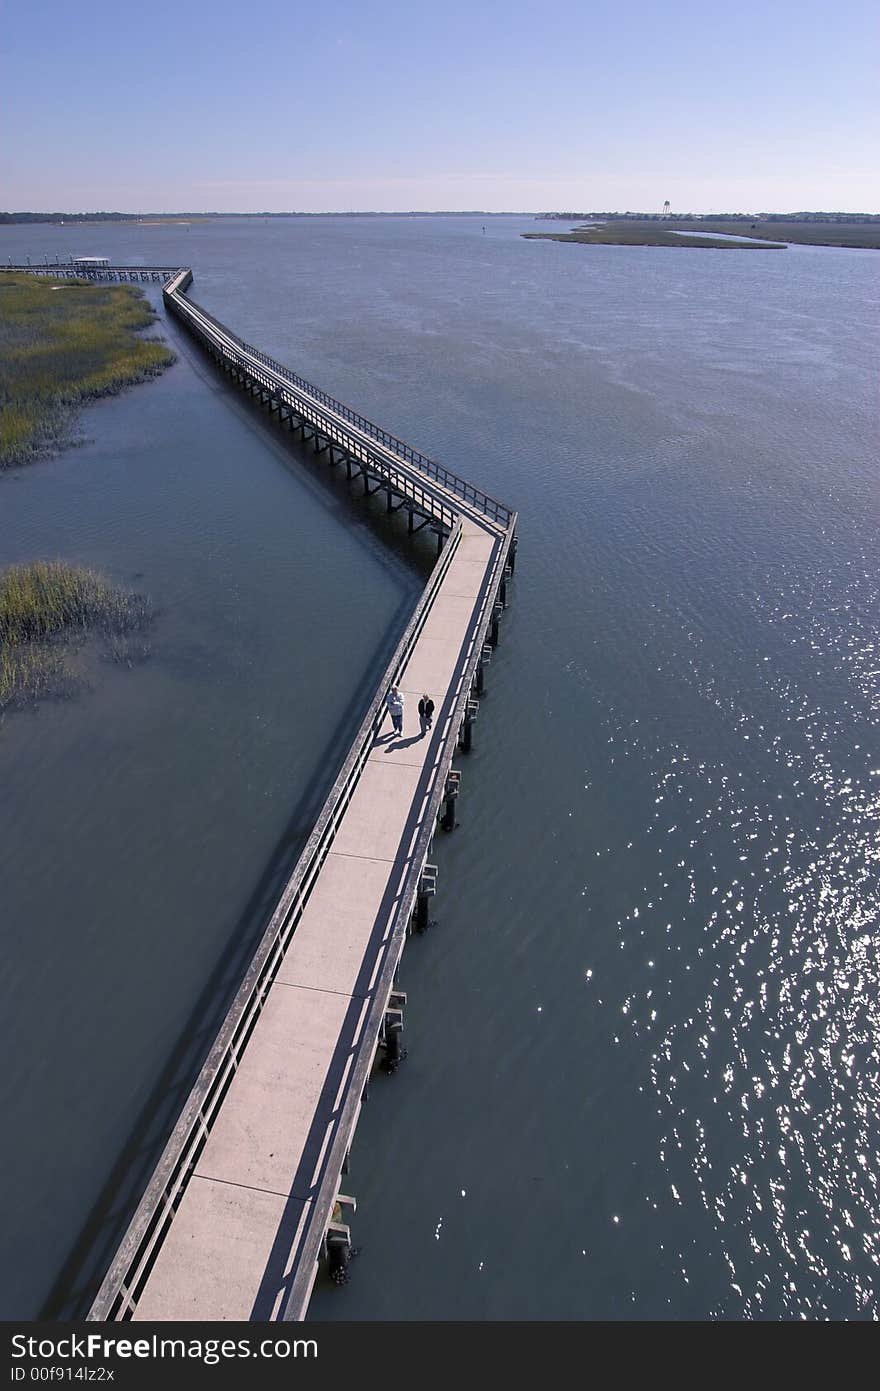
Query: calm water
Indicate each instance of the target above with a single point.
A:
(145, 826)
(643, 1036)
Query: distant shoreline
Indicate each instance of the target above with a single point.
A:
(765, 231)
(839, 220)
(96, 218)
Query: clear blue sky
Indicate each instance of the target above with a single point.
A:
(526, 105)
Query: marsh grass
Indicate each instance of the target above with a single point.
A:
(29, 673)
(861, 235)
(63, 343)
(47, 609)
(651, 234)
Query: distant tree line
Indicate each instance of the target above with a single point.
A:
(711, 217)
(839, 217)
(68, 217)
(147, 217)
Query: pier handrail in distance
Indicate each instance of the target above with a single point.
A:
(428, 495)
(68, 268)
(488, 506)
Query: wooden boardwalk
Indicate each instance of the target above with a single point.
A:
(245, 1201)
(257, 1174)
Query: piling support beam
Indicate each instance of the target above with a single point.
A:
(479, 676)
(467, 727)
(337, 1241)
(450, 793)
(426, 891)
(392, 1036)
(497, 611)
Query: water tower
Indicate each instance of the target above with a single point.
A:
(666, 208)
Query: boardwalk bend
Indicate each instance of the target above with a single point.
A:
(245, 1202)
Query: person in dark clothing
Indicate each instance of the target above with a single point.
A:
(426, 712)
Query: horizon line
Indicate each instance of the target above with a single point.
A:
(430, 212)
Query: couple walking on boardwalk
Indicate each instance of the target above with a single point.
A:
(394, 701)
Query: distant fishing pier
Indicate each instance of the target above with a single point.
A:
(246, 1203)
(92, 268)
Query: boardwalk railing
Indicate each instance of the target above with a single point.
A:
(407, 480)
(66, 270)
(474, 497)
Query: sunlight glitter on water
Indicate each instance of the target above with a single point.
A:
(785, 1044)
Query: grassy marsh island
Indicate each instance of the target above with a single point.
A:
(47, 610)
(864, 236)
(771, 231)
(631, 233)
(64, 342)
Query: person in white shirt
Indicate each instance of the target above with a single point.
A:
(394, 701)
